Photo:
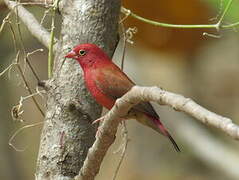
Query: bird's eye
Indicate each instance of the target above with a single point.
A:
(82, 52)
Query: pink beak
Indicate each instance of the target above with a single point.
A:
(71, 54)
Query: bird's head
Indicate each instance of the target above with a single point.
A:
(87, 55)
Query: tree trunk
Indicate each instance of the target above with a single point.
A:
(68, 133)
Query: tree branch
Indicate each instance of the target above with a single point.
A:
(30, 21)
(137, 94)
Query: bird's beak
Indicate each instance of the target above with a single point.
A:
(71, 54)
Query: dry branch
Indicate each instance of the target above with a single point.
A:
(137, 94)
(30, 22)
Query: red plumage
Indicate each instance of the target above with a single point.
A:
(106, 82)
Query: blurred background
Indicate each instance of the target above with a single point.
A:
(179, 60)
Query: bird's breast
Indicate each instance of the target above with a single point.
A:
(100, 97)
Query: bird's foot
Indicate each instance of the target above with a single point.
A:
(98, 132)
(98, 120)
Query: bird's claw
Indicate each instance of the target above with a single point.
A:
(98, 132)
(98, 120)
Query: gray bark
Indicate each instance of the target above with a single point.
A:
(68, 133)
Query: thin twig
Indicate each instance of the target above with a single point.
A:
(211, 35)
(20, 11)
(50, 52)
(219, 11)
(32, 69)
(125, 146)
(28, 87)
(31, 23)
(17, 110)
(13, 37)
(124, 45)
(47, 2)
(23, 47)
(216, 26)
(8, 68)
(10, 142)
(35, 3)
(44, 16)
(5, 20)
(224, 13)
(25, 82)
(29, 64)
(30, 91)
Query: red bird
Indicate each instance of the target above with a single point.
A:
(106, 82)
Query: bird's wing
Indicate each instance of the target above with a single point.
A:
(115, 83)
(147, 108)
(112, 81)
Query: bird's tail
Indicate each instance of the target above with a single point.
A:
(164, 131)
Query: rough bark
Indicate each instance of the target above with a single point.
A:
(68, 133)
